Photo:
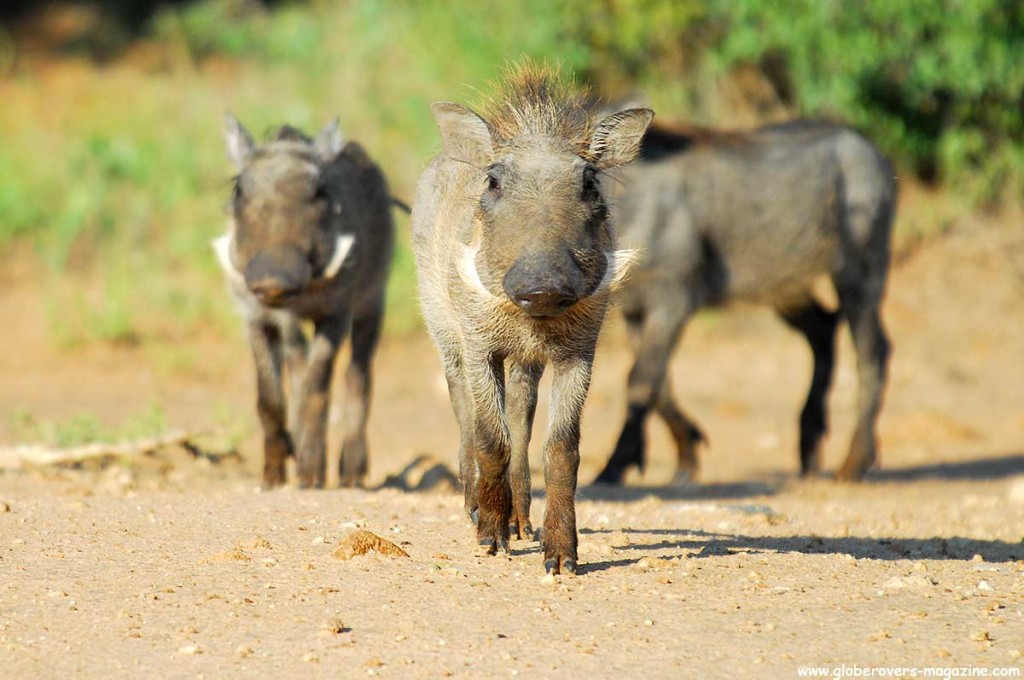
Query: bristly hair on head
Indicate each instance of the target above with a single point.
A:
(538, 99)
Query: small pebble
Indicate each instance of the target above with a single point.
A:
(189, 649)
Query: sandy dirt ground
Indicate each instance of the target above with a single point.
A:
(168, 566)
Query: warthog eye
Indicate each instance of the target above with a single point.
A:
(591, 191)
(494, 177)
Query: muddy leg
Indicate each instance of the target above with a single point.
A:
(562, 461)
(656, 336)
(818, 325)
(860, 305)
(684, 431)
(316, 397)
(521, 405)
(296, 349)
(358, 385)
(265, 342)
(491, 448)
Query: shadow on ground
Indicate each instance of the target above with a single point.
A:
(992, 467)
(703, 544)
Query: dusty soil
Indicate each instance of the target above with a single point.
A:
(174, 567)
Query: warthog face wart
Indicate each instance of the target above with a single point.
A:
(545, 242)
(282, 239)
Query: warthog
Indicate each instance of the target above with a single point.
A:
(310, 239)
(516, 259)
(756, 216)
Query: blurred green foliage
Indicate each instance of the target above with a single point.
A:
(939, 84)
(117, 176)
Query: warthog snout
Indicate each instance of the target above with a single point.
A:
(275, 277)
(543, 288)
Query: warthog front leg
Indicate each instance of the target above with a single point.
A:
(562, 461)
(491, 451)
(316, 396)
(358, 385)
(296, 350)
(521, 405)
(265, 342)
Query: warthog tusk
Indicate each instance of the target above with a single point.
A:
(341, 250)
(619, 264)
(466, 265)
(222, 249)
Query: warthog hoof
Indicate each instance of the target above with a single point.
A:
(861, 458)
(568, 566)
(612, 475)
(490, 546)
(520, 528)
(474, 516)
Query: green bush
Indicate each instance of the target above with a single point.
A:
(938, 83)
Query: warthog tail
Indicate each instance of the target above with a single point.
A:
(400, 204)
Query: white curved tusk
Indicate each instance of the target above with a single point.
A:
(619, 264)
(222, 249)
(466, 265)
(341, 250)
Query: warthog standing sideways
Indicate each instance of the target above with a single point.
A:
(516, 259)
(310, 239)
(755, 217)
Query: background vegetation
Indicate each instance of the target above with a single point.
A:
(113, 175)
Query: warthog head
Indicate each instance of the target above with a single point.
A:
(284, 212)
(542, 236)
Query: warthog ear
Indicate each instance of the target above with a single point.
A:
(238, 140)
(328, 141)
(464, 133)
(617, 138)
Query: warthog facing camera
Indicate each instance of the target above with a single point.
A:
(310, 239)
(516, 260)
(757, 217)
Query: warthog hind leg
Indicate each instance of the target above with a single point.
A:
(687, 435)
(653, 336)
(818, 325)
(860, 303)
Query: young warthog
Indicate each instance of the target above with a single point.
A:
(516, 260)
(310, 239)
(755, 217)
